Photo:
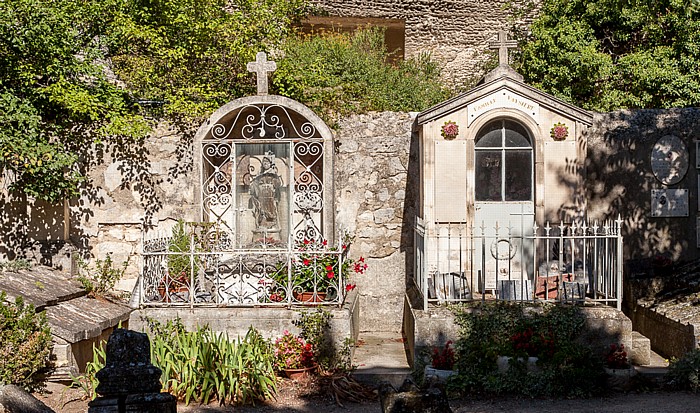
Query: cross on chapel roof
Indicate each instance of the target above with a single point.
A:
(503, 44)
(261, 67)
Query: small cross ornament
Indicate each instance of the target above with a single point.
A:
(261, 67)
(502, 45)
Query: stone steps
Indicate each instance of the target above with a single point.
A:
(381, 356)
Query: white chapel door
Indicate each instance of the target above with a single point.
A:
(504, 207)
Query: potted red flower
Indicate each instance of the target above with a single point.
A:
(442, 362)
(294, 356)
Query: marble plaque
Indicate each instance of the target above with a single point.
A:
(450, 181)
(669, 160)
(669, 202)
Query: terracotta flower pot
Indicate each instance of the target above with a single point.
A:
(310, 297)
(298, 374)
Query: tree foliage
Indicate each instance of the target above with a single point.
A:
(81, 81)
(74, 76)
(610, 54)
(55, 94)
(192, 54)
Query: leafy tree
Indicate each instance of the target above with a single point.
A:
(55, 95)
(610, 54)
(192, 54)
(75, 76)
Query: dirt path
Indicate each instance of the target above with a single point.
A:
(299, 398)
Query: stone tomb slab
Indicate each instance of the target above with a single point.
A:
(40, 286)
(84, 318)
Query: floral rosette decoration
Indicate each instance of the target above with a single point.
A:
(450, 130)
(559, 131)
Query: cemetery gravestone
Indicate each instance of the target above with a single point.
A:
(129, 382)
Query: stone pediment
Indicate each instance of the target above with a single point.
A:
(505, 92)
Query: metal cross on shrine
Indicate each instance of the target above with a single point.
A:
(261, 67)
(503, 44)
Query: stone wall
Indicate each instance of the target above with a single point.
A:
(669, 337)
(152, 185)
(619, 179)
(456, 33)
(376, 190)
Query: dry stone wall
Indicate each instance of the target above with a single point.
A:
(456, 33)
(152, 187)
(375, 197)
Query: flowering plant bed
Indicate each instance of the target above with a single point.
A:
(443, 358)
(320, 271)
(617, 357)
(531, 343)
(293, 352)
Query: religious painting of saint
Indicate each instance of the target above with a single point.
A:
(265, 195)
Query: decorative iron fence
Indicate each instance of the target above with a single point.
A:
(577, 263)
(200, 268)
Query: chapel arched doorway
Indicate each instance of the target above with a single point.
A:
(504, 193)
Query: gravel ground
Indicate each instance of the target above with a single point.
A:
(303, 397)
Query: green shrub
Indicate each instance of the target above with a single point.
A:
(204, 366)
(25, 344)
(684, 373)
(316, 329)
(100, 278)
(15, 265)
(565, 367)
(339, 74)
(201, 366)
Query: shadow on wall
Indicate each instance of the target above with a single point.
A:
(410, 205)
(38, 231)
(620, 179)
(572, 177)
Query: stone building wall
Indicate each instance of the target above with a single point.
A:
(456, 33)
(619, 179)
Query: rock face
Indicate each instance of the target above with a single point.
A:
(129, 382)
(412, 399)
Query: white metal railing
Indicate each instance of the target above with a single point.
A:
(578, 263)
(210, 273)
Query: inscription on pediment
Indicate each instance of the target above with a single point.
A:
(502, 99)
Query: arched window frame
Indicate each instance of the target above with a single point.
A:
(504, 150)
